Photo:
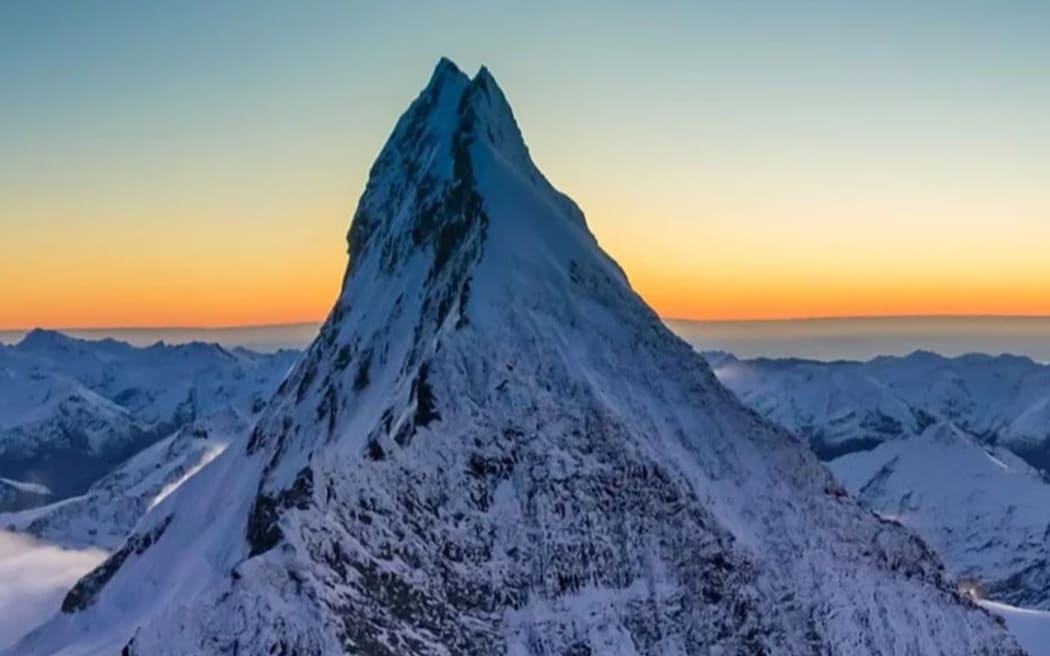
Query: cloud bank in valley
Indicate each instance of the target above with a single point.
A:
(34, 576)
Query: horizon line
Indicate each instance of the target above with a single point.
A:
(854, 317)
(318, 322)
(290, 324)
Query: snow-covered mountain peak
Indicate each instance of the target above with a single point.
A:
(490, 119)
(445, 69)
(455, 216)
(42, 338)
(424, 192)
(495, 447)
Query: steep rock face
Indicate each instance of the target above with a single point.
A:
(494, 446)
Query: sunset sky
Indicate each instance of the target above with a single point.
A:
(197, 163)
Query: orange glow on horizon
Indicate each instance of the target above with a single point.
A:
(303, 291)
(274, 268)
(738, 164)
(746, 298)
(239, 257)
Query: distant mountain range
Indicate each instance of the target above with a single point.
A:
(261, 338)
(821, 339)
(845, 406)
(106, 513)
(956, 448)
(71, 409)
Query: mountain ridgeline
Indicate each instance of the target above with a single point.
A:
(845, 406)
(72, 409)
(495, 447)
(954, 447)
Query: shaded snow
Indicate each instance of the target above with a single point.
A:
(1004, 399)
(72, 409)
(892, 431)
(30, 488)
(109, 510)
(1031, 627)
(984, 513)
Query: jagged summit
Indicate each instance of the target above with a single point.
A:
(430, 163)
(444, 70)
(495, 447)
(483, 89)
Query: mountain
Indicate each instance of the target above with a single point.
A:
(836, 407)
(71, 409)
(1005, 399)
(903, 449)
(845, 406)
(105, 514)
(495, 446)
(982, 509)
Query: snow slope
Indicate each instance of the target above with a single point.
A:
(495, 446)
(71, 409)
(1032, 627)
(160, 382)
(980, 506)
(1004, 399)
(983, 510)
(105, 514)
(835, 406)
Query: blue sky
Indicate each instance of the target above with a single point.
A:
(873, 143)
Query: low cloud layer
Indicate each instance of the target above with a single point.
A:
(34, 576)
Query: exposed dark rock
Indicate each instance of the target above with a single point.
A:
(86, 590)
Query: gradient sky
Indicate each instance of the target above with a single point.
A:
(197, 163)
